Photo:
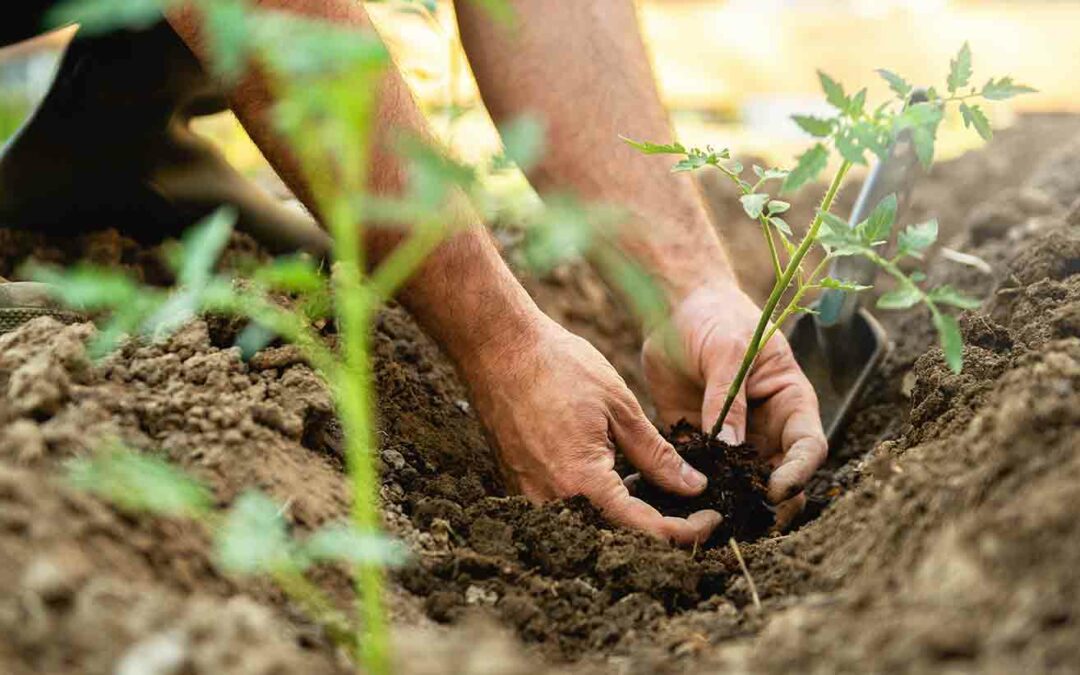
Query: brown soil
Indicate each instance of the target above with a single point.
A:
(941, 536)
(738, 479)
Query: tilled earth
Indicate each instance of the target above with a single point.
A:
(941, 535)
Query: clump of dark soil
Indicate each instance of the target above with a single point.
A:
(738, 479)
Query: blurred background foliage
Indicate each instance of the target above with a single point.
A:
(731, 71)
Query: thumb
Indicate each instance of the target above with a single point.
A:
(733, 431)
(651, 454)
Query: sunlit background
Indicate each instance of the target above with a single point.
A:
(731, 72)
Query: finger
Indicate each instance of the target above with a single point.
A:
(650, 453)
(788, 510)
(716, 390)
(805, 449)
(614, 501)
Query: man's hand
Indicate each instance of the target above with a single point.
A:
(690, 367)
(556, 410)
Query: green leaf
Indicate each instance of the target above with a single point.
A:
(317, 49)
(754, 204)
(201, 246)
(254, 337)
(136, 482)
(836, 232)
(960, 69)
(1004, 89)
(923, 120)
(872, 136)
(770, 174)
(523, 141)
(841, 285)
(815, 126)
(810, 165)
(952, 343)
(780, 224)
(344, 543)
(849, 148)
(878, 225)
(914, 239)
(690, 163)
(857, 105)
(834, 92)
(950, 296)
(902, 298)
(253, 537)
(776, 206)
(291, 274)
(102, 16)
(975, 117)
(899, 85)
(655, 148)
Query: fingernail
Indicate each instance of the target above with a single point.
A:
(692, 477)
(727, 435)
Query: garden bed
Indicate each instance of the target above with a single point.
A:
(941, 533)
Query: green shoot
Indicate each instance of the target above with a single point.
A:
(855, 132)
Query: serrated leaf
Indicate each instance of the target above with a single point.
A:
(899, 85)
(914, 239)
(841, 285)
(523, 141)
(950, 296)
(923, 120)
(834, 92)
(690, 163)
(810, 165)
(1005, 88)
(136, 482)
(781, 224)
(960, 69)
(872, 136)
(952, 343)
(901, 298)
(815, 126)
(252, 538)
(344, 543)
(857, 105)
(770, 174)
(778, 206)
(849, 148)
(201, 246)
(835, 232)
(975, 117)
(878, 226)
(754, 204)
(655, 148)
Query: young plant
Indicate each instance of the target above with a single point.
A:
(854, 131)
(324, 84)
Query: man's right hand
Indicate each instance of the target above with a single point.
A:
(556, 410)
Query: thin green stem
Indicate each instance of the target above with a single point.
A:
(318, 607)
(793, 306)
(774, 298)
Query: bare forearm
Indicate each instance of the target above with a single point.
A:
(463, 295)
(583, 67)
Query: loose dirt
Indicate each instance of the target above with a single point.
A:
(941, 535)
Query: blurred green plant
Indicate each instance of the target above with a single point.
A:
(250, 538)
(853, 131)
(324, 85)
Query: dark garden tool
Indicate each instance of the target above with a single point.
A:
(839, 347)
